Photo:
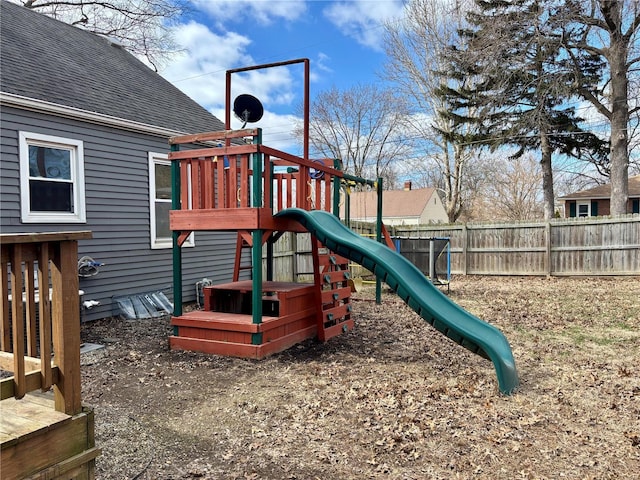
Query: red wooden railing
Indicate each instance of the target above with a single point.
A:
(222, 176)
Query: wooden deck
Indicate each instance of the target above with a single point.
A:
(42, 435)
(40, 442)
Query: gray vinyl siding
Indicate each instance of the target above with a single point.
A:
(117, 206)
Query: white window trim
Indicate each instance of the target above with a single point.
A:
(162, 159)
(583, 204)
(77, 177)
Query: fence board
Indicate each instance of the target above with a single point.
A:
(586, 246)
(592, 246)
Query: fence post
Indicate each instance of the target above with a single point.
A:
(549, 249)
(464, 249)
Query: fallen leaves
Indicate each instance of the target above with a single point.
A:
(393, 399)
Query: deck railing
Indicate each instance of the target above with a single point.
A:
(40, 316)
(251, 175)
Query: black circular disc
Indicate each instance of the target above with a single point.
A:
(248, 108)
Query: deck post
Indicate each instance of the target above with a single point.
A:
(17, 324)
(65, 314)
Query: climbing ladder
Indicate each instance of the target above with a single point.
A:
(332, 279)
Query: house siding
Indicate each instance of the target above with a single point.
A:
(117, 208)
(434, 211)
(599, 207)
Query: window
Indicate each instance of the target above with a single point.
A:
(584, 209)
(160, 202)
(51, 179)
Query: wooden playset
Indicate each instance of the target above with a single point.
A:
(235, 183)
(239, 187)
(230, 181)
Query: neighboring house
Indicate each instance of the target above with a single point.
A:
(399, 207)
(596, 201)
(84, 146)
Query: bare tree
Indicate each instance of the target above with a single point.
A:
(362, 126)
(142, 26)
(414, 47)
(608, 30)
(515, 192)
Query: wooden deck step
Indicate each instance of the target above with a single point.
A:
(236, 322)
(39, 442)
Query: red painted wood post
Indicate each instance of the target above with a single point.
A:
(184, 183)
(327, 192)
(289, 203)
(207, 184)
(233, 182)
(196, 185)
(244, 181)
(219, 193)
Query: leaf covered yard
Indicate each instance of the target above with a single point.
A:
(392, 399)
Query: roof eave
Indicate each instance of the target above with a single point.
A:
(42, 106)
(585, 198)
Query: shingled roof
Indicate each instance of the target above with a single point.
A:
(48, 60)
(604, 191)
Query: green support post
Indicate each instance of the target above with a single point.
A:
(270, 242)
(177, 251)
(379, 236)
(256, 249)
(337, 164)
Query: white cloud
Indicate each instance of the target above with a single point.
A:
(201, 69)
(363, 19)
(261, 11)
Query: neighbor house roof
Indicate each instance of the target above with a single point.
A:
(49, 61)
(395, 203)
(604, 191)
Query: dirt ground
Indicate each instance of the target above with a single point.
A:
(393, 399)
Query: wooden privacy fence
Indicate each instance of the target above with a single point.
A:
(585, 246)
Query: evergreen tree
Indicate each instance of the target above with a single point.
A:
(517, 86)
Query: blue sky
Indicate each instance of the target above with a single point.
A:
(342, 39)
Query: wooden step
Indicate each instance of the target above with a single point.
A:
(40, 442)
(242, 350)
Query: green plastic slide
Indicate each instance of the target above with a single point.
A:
(415, 289)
